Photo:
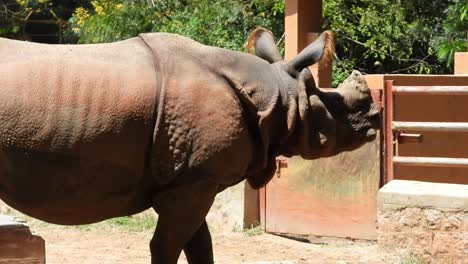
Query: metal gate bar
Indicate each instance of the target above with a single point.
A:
(394, 134)
(431, 126)
(432, 90)
(432, 161)
(388, 147)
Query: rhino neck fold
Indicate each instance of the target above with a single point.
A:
(311, 131)
(265, 106)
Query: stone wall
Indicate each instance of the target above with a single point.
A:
(427, 220)
(227, 212)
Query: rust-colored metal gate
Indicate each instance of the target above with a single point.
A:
(332, 197)
(396, 131)
(320, 198)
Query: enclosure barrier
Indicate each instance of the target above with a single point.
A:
(393, 131)
(431, 126)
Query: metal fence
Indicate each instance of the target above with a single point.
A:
(393, 131)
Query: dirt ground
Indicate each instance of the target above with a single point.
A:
(78, 245)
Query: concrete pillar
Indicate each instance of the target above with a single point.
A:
(303, 24)
(461, 63)
(18, 245)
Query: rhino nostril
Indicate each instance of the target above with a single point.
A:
(374, 119)
(373, 113)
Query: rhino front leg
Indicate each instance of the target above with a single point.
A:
(181, 213)
(199, 249)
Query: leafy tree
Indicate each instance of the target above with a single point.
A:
(14, 15)
(222, 23)
(383, 36)
(456, 28)
(374, 36)
(18, 18)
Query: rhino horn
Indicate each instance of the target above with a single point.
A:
(263, 44)
(322, 49)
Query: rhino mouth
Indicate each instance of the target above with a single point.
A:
(368, 133)
(371, 134)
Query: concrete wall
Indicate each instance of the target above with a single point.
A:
(227, 212)
(427, 220)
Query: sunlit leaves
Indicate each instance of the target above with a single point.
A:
(385, 36)
(222, 23)
(455, 27)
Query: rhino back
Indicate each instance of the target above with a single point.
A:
(76, 123)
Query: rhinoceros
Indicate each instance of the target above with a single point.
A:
(91, 132)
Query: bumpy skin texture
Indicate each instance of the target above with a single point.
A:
(76, 123)
(92, 132)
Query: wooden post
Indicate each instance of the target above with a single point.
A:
(303, 24)
(251, 206)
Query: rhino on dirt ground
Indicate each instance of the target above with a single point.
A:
(91, 132)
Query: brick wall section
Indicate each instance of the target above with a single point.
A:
(427, 220)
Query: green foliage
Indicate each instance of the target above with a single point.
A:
(412, 260)
(254, 230)
(136, 223)
(383, 36)
(455, 27)
(222, 23)
(15, 15)
(373, 36)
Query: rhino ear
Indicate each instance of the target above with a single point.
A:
(322, 49)
(262, 43)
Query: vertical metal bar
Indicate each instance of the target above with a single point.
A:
(263, 209)
(382, 150)
(383, 147)
(378, 98)
(388, 136)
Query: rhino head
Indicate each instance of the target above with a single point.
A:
(345, 117)
(320, 122)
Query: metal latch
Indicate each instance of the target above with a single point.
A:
(403, 138)
(281, 162)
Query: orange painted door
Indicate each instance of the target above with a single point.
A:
(333, 197)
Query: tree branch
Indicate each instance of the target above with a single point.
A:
(387, 54)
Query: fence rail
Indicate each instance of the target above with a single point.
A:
(394, 131)
(433, 90)
(432, 161)
(431, 126)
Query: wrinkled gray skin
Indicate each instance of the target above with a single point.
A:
(92, 132)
